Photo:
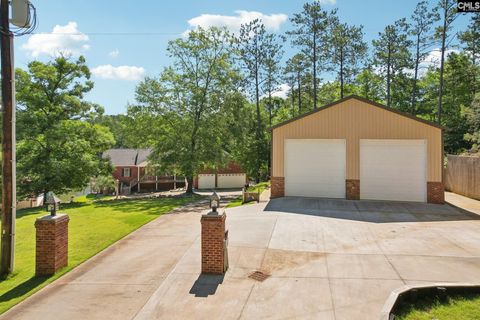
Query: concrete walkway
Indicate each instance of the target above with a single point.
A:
(327, 259)
(463, 202)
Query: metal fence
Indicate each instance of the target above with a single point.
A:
(462, 176)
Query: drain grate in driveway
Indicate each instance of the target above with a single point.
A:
(258, 276)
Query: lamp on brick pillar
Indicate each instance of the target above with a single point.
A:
(214, 202)
(51, 239)
(214, 239)
(52, 203)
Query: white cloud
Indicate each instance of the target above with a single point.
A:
(327, 2)
(114, 53)
(272, 22)
(67, 40)
(129, 73)
(431, 60)
(434, 56)
(282, 91)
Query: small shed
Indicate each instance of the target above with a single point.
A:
(355, 148)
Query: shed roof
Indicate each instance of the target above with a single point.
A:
(127, 157)
(373, 103)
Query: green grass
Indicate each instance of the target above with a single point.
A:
(93, 227)
(237, 202)
(93, 197)
(260, 187)
(465, 307)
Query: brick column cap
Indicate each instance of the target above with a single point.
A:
(49, 219)
(214, 216)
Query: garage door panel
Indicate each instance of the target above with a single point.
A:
(231, 180)
(206, 181)
(315, 167)
(393, 170)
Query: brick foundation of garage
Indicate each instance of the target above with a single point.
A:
(278, 187)
(352, 189)
(435, 192)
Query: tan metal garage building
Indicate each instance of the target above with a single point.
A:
(358, 149)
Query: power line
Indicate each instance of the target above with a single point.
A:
(109, 33)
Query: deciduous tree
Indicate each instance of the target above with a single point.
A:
(58, 146)
(185, 106)
(471, 45)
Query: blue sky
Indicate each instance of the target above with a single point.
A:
(120, 60)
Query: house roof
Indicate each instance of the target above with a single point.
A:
(373, 103)
(127, 157)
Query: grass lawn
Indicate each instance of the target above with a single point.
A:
(258, 187)
(465, 307)
(93, 227)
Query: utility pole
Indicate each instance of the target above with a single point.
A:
(8, 213)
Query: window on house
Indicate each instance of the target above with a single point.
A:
(126, 172)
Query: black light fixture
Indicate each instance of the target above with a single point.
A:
(214, 202)
(52, 203)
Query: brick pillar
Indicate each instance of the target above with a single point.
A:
(213, 236)
(278, 187)
(51, 244)
(435, 192)
(352, 189)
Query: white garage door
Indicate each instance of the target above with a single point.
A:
(315, 168)
(393, 170)
(206, 181)
(231, 180)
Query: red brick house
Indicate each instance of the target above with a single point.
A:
(231, 176)
(133, 173)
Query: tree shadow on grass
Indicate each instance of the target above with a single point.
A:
(154, 206)
(31, 211)
(23, 288)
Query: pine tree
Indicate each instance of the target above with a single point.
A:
(310, 34)
(259, 54)
(448, 14)
(391, 54)
(347, 50)
(471, 45)
(421, 25)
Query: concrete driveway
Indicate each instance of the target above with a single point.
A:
(327, 259)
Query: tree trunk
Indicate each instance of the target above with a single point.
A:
(270, 107)
(442, 60)
(189, 185)
(415, 78)
(269, 163)
(293, 101)
(45, 200)
(474, 74)
(389, 53)
(341, 73)
(299, 83)
(314, 68)
(259, 121)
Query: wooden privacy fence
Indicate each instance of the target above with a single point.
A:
(462, 176)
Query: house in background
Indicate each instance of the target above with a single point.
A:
(133, 173)
(231, 176)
